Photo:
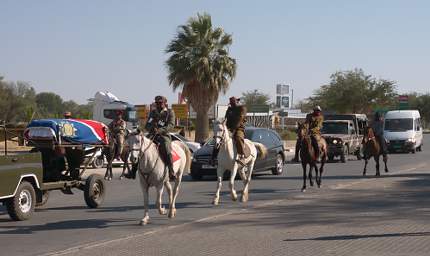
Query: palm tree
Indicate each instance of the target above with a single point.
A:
(200, 65)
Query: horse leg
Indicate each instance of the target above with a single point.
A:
(323, 160)
(220, 174)
(145, 188)
(158, 203)
(245, 193)
(169, 192)
(231, 183)
(385, 162)
(172, 209)
(314, 166)
(377, 165)
(365, 165)
(304, 176)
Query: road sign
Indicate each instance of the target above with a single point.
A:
(259, 108)
(403, 101)
(181, 110)
(142, 112)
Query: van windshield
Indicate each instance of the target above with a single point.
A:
(400, 124)
(335, 128)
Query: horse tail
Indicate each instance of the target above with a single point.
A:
(261, 150)
(187, 157)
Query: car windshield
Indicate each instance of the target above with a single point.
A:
(335, 128)
(400, 124)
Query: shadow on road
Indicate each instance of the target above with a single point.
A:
(354, 237)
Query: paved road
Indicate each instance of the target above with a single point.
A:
(348, 216)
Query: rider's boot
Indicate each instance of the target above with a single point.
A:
(169, 163)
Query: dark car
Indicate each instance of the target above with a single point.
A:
(274, 161)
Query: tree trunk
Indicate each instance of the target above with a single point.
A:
(202, 126)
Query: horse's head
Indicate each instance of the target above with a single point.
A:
(219, 130)
(134, 141)
(368, 134)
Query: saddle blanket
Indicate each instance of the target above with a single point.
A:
(75, 131)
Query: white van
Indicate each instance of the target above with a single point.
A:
(403, 130)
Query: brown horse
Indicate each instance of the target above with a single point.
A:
(371, 148)
(110, 152)
(309, 157)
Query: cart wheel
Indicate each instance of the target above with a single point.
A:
(94, 191)
(21, 206)
(44, 196)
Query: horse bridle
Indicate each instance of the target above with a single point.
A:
(221, 139)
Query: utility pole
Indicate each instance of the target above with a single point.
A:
(5, 138)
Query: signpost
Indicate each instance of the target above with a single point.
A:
(142, 112)
(259, 108)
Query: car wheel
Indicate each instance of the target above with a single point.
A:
(420, 148)
(413, 151)
(21, 206)
(98, 162)
(279, 165)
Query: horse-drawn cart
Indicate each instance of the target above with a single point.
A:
(57, 162)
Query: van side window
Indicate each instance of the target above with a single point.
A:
(417, 124)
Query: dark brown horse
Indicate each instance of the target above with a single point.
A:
(371, 148)
(309, 157)
(110, 152)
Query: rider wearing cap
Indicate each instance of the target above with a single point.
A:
(315, 121)
(161, 120)
(118, 128)
(235, 121)
(378, 130)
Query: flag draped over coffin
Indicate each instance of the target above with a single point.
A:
(75, 131)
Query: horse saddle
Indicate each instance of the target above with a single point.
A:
(175, 156)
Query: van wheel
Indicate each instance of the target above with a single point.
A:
(21, 206)
(413, 151)
(420, 148)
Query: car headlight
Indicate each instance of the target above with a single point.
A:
(411, 140)
(194, 159)
(334, 141)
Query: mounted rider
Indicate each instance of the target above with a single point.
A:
(315, 121)
(235, 121)
(161, 121)
(118, 129)
(378, 130)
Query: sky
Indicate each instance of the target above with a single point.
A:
(76, 48)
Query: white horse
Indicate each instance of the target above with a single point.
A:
(153, 171)
(227, 157)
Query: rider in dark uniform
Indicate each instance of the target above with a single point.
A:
(315, 121)
(118, 128)
(161, 121)
(378, 130)
(235, 121)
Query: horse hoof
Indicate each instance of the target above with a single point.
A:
(162, 211)
(172, 213)
(386, 170)
(312, 184)
(303, 190)
(143, 222)
(244, 198)
(110, 178)
(215, 202)
(121, 177)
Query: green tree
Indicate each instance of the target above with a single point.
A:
(355, 92)
(200, 65)
(17, 102)
(49, 104)
(422, 103)
(255, 98)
